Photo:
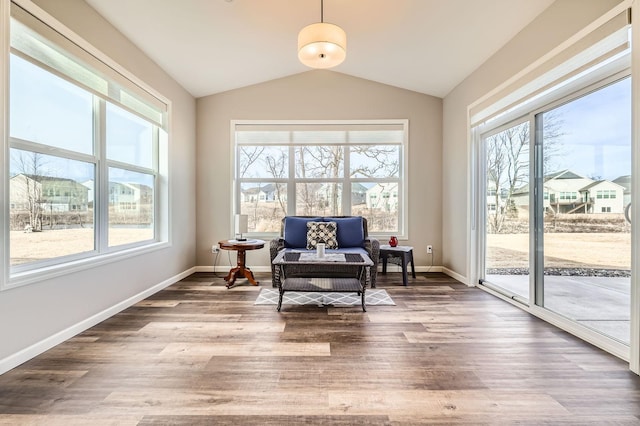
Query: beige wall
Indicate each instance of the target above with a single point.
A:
(33, 314)
(318, 95)
(560, 21)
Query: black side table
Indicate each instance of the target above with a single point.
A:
(404, 254)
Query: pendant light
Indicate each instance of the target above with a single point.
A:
(322, 45)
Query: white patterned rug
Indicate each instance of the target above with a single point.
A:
(269, 296)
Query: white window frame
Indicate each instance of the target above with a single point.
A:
(346, 180)
(102, 254)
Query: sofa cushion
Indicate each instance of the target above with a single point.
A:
(350, 231)
(295, 230)
(321, 232)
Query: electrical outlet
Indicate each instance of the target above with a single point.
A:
(215, 249)
(429, 249)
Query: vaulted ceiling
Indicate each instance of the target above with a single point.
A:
(211, 46)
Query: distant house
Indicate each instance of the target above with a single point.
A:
(125, 197)
(383, 196)
(569, 192)
(268, 193)
(495, 197)
(24, 190)
(625, 182)
(261, 194)
(129, 197)
(51, 193)
(603, 196)
(358, 194)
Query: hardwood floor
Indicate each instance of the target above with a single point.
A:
(197, 353)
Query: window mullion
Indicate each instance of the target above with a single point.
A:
(291, 183)
(346, 187)
(101, 194)
(50, 150)
(132, 167)
(156, 184)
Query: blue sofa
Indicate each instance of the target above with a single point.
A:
(352, 237)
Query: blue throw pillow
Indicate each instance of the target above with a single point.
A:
(350, 231)
(295, 231)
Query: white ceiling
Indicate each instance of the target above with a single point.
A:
(211, 46)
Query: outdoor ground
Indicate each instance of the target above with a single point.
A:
(607, 251)
(569, 250)
(32, 246)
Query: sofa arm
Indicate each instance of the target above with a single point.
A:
(372, 246)
(274, 248)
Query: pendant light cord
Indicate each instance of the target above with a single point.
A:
(321, 10)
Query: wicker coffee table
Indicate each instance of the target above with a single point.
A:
(315, 265)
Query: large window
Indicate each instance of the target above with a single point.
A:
(83, 152)
(321, 168)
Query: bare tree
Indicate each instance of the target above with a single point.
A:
(277, 167)
(507, 160)
(248, 156)
(31, 165)
(319, 172)
(383, 161)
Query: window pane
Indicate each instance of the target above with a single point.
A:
(265, 203)
(379, 220)
(380, 206)
(322, 199)
(319, 162)
(49, 110)
(379, 161)
(51, 207)
(130, 207)
(507, 209)
(587, 239)
(129, 137)
(263, 162)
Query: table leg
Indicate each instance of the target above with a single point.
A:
(404, 259)
(413, 267)
(240, 271)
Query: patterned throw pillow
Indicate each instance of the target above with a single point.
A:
(322, 232)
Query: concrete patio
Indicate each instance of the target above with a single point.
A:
(600, 303)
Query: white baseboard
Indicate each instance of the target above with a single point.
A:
(390, 268)
(225, 269)
(456, 276)
(36, 349)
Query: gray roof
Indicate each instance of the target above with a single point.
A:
(563, 174)
(598, 182)
(624, 181)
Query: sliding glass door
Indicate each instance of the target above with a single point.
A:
(556, 196)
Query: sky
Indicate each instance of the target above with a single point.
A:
(49, 110)
(595, 141)
(596, 128)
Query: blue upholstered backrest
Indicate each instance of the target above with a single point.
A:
(351, 230)
(295, 230)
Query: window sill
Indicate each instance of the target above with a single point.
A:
(49, 272)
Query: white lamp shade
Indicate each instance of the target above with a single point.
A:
(322, 45)
(242, 223)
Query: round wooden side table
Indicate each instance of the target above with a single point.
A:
(241, 269)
